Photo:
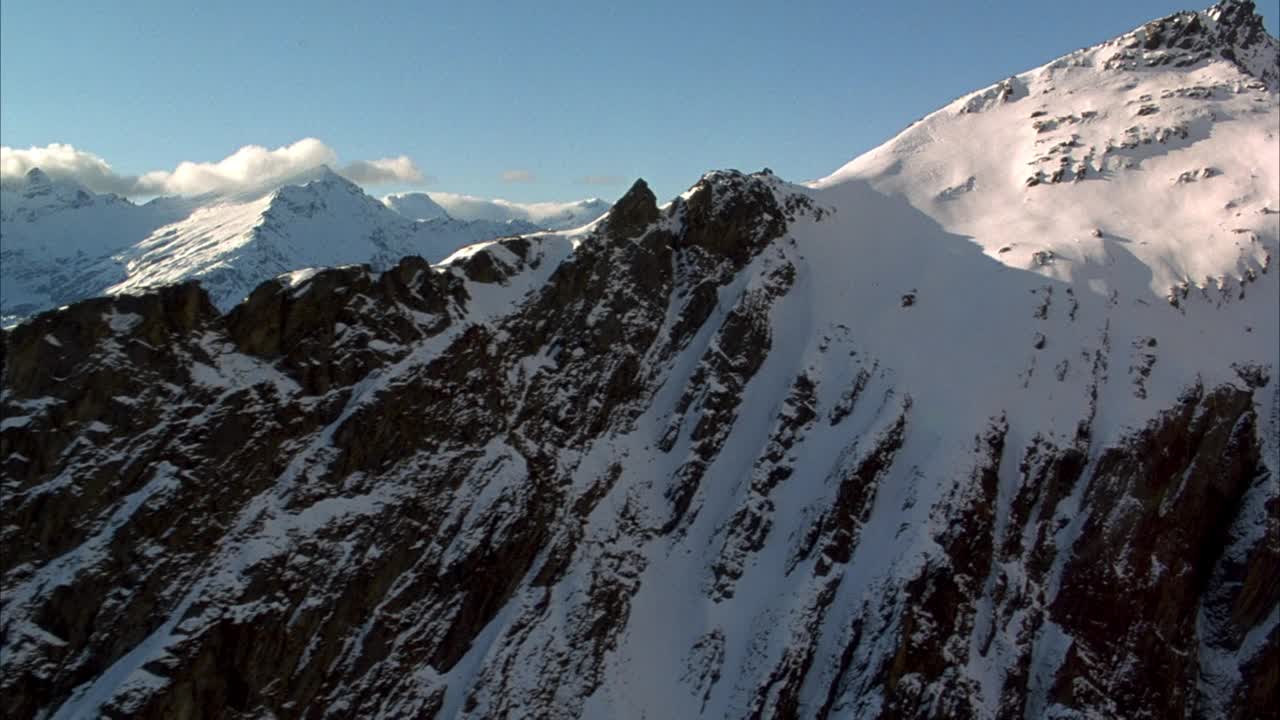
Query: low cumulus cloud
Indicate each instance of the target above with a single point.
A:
(251, 168)
(388, 170)
(518, 176)
(61, 161)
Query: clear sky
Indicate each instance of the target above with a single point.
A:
(567, 99)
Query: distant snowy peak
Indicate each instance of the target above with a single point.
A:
(324, 192)
(36, 195)
(233, 246)
(34, 183)
(60, 218)
(564, 216)
(542, 215)
(415, 206)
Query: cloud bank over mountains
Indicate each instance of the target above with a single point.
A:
(254, 170)
(250, 168)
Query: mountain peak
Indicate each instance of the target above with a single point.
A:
(634, 211)
(1229, 24)
(320, 177)
(324, 173)
(36, 176)
(415, 206)
(1237, 14)
(323, 176)
(317, 191)
(1231, 30)
(63, 192)
(1244, 40)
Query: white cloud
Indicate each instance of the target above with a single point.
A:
(252, 168)
(387, 170)
(518, 176)
(61, 162)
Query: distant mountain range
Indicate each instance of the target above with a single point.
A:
(60, 243)
(549, 215)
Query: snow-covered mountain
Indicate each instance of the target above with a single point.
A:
(547, 215)
(62, 243)
(231, 247)
(415, 206)
(51, 232)
(1153, 156)
(984, 425)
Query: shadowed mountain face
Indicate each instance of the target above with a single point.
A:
(764, 451)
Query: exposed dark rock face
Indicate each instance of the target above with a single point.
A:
(634, 212)
(1168, 499)
(364, 495)
(321, 332)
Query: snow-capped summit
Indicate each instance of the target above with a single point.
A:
(1240, 37)
(53, 230)
(36, 176)
(1231, 31)
(415, 206)
(35, 182)
(37, 195)
(1159, 145)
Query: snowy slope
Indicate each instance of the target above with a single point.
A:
(1110, 155)
(1143, 178)
(913, 441)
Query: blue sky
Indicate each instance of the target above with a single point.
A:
(572, 99)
